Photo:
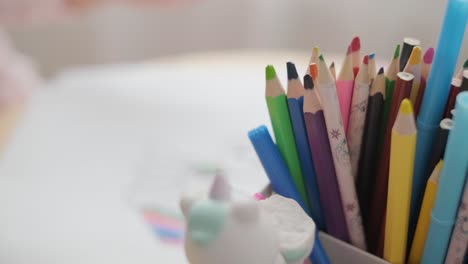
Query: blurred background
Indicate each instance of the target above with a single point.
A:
(111, 109)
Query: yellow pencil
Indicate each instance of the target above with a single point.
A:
(414, 67)
(403, 144)
(425, 216)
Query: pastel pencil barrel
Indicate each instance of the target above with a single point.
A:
(368, 160)
(330, 196)
(295, 96)
(275, 166)
(459, 240)
(422, 227)
(340, 154)
(282, 128)
(357, 117)
(344, 88)
(451, 183)
(399, 184)
(402, 90)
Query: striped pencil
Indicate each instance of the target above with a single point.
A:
(356, 54)
(368, 160)
(357, 116)
(295, 95)
(402, 152)
(340, 154)
(408, 45)
(330, 196)
(282, 128)
(344, 86)
(414, 67)
(402, 90)
(425, 69)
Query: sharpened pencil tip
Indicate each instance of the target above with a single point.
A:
(365, 60)
(371, 56)
(405, 107)
(270, 72)
(332, 65)
(396, 54)
(313, 69)
(415, 57)
(355, 44)
(321, 57)
(308, 82)
(292, 72)
(381, 70)
(429, 56)
(315, 50)
(465, 65)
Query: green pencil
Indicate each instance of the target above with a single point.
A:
(282, 128)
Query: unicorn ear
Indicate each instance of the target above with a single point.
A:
(186, 203)
(246, 211)
(220, 189)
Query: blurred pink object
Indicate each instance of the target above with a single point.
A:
(18, 76)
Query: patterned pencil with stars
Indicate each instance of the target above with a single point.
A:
(340, 154)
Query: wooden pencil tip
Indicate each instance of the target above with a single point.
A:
(429, 56)
(405, 107)
(313, 69)
(332, 65)
(371, 56)
(440, 164)
(396, 54)
(415, 57)
(292, 72)
(308, 82)
(381, 71)
(355, 44)
(465, 65)
(321, 57)
(270, 72)
(315, 50)
(365, 60)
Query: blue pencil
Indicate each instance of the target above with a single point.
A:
(435, 97)
(295, 96)
(280, 180)
(451, 185)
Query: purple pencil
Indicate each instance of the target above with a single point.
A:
(330, 196)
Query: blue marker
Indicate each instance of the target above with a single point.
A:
(435, 97)
(295, 105)
(280, 180)
(451, 185)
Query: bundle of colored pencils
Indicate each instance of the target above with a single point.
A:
(352, 146)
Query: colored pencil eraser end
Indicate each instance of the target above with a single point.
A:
(405, 107)
(270, 72)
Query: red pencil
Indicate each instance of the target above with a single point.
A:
(356, 54)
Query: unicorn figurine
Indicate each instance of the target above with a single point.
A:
(221, 231)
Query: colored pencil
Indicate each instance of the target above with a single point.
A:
(282, 128)
(454, 91)
(464, 84)
(425, 69)
(402, 151)
(422, 227)
(440, 142)
(357, 117)
(435, 97)
(402, 90)
(368, 160)
(372, 67)
(340, 154)
(414, 67)
(464, 67)
(344, 86)
(451, 184)
(390, 78)
(356, 54)
(330, 196)
(333, 70)
(295, 95)
(459, 240)
(408, 45)
(313, 71)
(313, 58)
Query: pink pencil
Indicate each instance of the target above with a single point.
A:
(344, 88)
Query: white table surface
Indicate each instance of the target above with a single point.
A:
(94, 135)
